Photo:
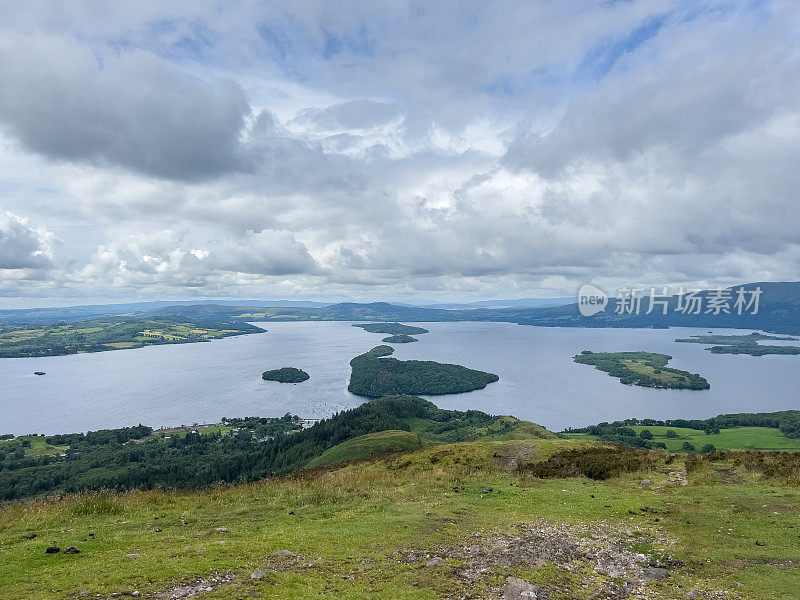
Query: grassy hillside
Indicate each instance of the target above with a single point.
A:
(113, 333)
(447, 521)
(368, 446)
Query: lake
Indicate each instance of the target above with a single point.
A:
(200, 383)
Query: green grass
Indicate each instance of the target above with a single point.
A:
(368, 446)
(668, 377)
(39, 447)
(112, 333)
(736, 438)
(348, 526)
(646, 369)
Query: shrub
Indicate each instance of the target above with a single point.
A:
(687, 447)
(708, 448)
(595, 463)
(646, 434)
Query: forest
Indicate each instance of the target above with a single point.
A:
(375, 376)
(259, 447)
(742, 344)
(787, 421)
(393, 328)
(646, 369)
(285, 375)
(399, 339)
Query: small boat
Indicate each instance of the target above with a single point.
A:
(39, 373)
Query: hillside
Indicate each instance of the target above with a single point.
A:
(489, 519)
(779, 312)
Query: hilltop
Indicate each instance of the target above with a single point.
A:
(513, 514)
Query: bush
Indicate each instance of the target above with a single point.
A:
(646, 434)
(708, 448)
(687, 447)
(595, 463)
(671, 434)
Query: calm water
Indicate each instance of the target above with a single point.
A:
(200, 383)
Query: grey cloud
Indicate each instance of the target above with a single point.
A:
(705, 85)
(132, 109)
(22, 247)
(267, 252)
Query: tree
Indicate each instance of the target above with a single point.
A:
(708, 448)
(646, 434)
(687, 447)
(671, 434)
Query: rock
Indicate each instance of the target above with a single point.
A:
(30, 536)
(435, 562)
(519, 589)
(760, 543)
(655, 573)
(257, 574)
(132, 556)
(71, 550)
(135, 593)
(694, 594)
(221, 530)
(285, 553)
(52, 550)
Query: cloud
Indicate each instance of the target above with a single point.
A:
(356, 114)
(461, 150)
(128, 109)
(22, 247)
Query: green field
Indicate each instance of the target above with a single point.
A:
(38, 446)
(372, 529)
(114, 333)
(646, 369)
(736, 438)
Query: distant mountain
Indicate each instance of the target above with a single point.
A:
(778, 311)
(48, 316)
(517, 303)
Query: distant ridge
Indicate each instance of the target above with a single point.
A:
(779, 312)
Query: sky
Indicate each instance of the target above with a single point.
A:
(406, 151)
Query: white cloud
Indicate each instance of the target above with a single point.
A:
(370, 152)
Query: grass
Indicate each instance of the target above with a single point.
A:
(348, 525)
(38, 446)
(646, 369)
(736, 438)
(368, 446)
(668, 377)
(114, 333)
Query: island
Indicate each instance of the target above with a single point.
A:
(646, 369)
(742, 344)
(399, 339)
(114, 333)
(374, 376)
(393, 328)
(285, 375)
(39, 373)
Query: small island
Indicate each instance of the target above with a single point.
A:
(742, 344)
(393, 328)
(285, 375)
(399, 339)
(39, 373)
(374, 376)
(646, 369)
